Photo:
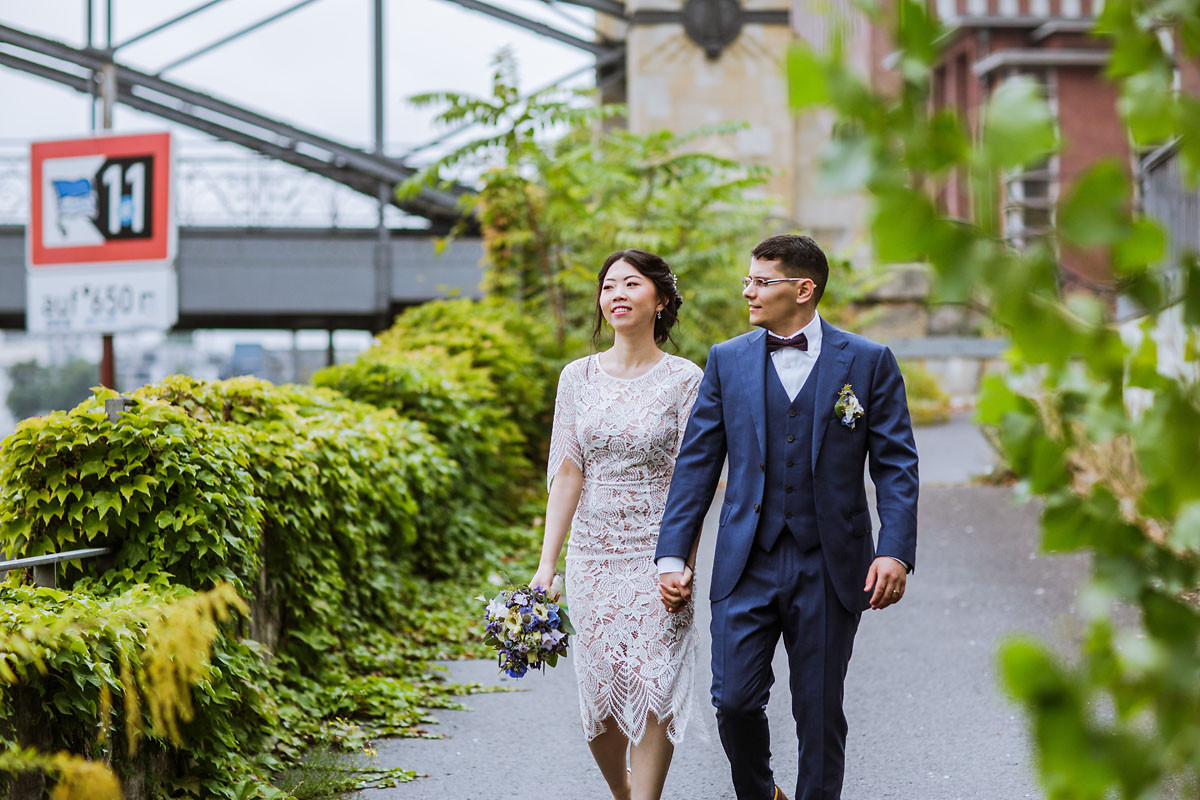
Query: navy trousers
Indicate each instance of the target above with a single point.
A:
(782, 592)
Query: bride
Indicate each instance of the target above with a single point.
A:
(618, 421)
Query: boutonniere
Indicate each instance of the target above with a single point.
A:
(847, 407)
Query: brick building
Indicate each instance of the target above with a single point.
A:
(1049, 41)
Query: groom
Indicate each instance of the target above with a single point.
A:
(798, 407)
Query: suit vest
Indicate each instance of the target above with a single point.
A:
(788, 499)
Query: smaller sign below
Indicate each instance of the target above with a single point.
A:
(100, 300)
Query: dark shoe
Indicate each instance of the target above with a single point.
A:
(779, 795)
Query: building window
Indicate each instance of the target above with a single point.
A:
(1031, 195)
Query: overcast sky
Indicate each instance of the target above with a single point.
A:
(312, 68)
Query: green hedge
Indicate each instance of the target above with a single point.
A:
(481, 377)
(80, 679)
(516, 351)
(326, 512)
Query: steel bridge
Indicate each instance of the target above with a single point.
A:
(255, 272)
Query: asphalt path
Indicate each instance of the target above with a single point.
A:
(928, 720)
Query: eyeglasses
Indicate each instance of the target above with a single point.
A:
(761, 282)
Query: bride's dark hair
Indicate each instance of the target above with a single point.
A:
(659, 272)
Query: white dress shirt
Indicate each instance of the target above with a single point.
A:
(794, 365)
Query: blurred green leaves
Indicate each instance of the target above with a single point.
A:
(1101, 424)
(1019, 127)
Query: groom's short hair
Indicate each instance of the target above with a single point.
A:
(798, 257)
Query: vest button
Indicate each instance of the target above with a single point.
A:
(789, 463)
(791, 438)
(762, 467)
(788, 515)
(789, 490)
(756, 508)
(792, 412)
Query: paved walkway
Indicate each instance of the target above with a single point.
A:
(927, 720)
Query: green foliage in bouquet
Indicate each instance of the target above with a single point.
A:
(1096, 422)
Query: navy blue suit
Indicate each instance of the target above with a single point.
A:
(794, 539)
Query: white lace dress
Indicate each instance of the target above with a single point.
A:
(631, 656)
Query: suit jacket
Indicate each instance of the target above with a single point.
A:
(729, 417)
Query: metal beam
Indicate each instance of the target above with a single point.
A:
(164, 25)
(360, 170)
(610, 7)
(598, 48)
(236, 35)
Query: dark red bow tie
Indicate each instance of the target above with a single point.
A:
(775, 343)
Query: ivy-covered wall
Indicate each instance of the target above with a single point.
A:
(323, 507)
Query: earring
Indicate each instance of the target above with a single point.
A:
(659, 315)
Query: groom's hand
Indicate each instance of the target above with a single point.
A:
(675, 589)
(886, 580)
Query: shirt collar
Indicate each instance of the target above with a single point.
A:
(812, 331)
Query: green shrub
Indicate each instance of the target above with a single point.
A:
(37, 389)
(482, 384)
(173, 496)
(167, 662)
(516, 350)
(928, 403)
(344, 488)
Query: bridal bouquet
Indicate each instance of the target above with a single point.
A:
(527, 629)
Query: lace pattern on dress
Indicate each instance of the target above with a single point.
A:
(631, 657)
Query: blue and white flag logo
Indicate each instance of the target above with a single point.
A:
(75, 199)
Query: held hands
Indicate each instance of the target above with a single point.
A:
(886, 580)
(675, 589)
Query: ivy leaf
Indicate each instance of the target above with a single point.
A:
(1148, 105)
(903, 225)
(1184, 535)
(1145, 245)
(1095, 212)
(806, 78)
(1019, 126)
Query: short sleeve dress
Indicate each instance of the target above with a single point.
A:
(631, 656)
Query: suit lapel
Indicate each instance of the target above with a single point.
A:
(830, 379)
(756, 384)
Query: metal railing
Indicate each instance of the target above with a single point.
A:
(45, 568)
